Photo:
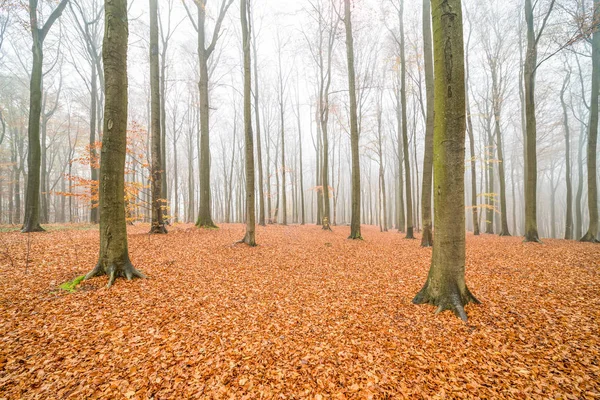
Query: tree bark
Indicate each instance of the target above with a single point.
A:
(445, 286)
(249, 238)
(427, 238)
(531, 229)
(407, 171)
(114, 255)
(158, 223)
(592, 139)
(569, 206)
(354, 139)
(31, 221)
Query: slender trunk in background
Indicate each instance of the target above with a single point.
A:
(427, 238)
(158, 224)
(261, 187)
(569, 207)
(579, 194)
(302, 215)
(409, 202)
(283, 171)
(354, 139)
(592, 139)
(445, 286)
(114, 254)
(249, 237)
(94, 215)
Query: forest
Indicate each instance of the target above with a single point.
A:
(176, 220)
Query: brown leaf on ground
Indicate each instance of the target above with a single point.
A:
(306, 314)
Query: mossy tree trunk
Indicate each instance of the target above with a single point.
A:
(529, 72)
(445, 286)
(592, 171)
(114, 255)
(249, 237)
(407, 176)
(158, 223)
(427, 238)
(354, 139)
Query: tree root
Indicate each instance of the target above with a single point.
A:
(505, 233)
(127, 271)
(589, 238)
(28, 229)
(158, 229)
(450, 300)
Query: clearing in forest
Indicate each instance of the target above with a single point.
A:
(306, 314)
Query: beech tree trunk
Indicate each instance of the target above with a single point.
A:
(445, 286)
(31, 221)
(355, 219)
(249, 238)
(427, 238)
(592, 171)
(114, 255)
(569, 206)
(158, 224)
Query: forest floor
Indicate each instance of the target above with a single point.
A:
(306, 314)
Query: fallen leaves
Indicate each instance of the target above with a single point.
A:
(306, 314)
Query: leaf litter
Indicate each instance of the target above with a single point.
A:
(306, 314)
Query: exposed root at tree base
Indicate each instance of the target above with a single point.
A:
(127, 271)
(589, 238)
(158, 229)
(504, 234)
(30, 229)
(451, 300)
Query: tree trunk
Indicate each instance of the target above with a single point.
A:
(94, 216)
(204, 213)
(427, 238)
(158, 224)
(261, 187)
(531, 230)
(445, 286)
(114, 255)
(354, 139)
(569, 207)
(32, 194)
(407, 171)
(592, 139)
(249, 238)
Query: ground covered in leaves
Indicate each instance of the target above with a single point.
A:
(306, 314)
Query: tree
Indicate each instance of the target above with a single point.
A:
(249, 237)
(569, 208)
(31, 222)
(158, 223)
(471, 137)
(261, 191)
(89, 29)
(445, 286)
(529, 71)
(204, 213)
(427, 238)
(355, 217)
(592, 140)
(114, 254)
(404, 121)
